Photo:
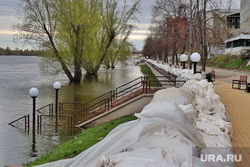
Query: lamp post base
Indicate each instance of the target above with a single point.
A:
(195, 63)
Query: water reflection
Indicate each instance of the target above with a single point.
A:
(33, 146)
(17, 76)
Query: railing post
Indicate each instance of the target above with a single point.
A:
(60, 108)
(52, 109)
(105, 104)
(143, 83)
(115, 93)
(108, 104)
(111, 98)
(68, 121)
(71, 118)
(38, 122)
(74, 120)
(25, 120)
(28, 123)
(146, 80)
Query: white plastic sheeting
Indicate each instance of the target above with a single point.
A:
(212, 120)
(179, 96)
(145, 142)
(164, 134)
(165, 110)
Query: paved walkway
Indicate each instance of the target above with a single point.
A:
(237, 104)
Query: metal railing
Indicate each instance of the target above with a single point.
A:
(72, 114)
(69, 107)
(78, 112)
(53, 120)
(171, 77)
(109, 100)
(22, 123)
(48, 109)
(168, 75)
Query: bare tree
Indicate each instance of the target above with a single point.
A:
(183, 20)
(172, 16)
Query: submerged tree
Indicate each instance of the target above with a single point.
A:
(119, 51)
(79, 32)
(115, 18)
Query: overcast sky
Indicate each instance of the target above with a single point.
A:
(8, 17)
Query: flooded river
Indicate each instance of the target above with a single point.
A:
(17, 75)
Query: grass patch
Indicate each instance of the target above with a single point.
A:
(151, 77)
(235, 64)
(227, 61)
(83, 141)
(146, 70)
(246, 68)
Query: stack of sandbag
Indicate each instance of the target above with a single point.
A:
(211, 120)
(143, 142)
(182, 74)
(175, 141)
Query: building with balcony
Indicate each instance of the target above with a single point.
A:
(245, 17)
(241, 44)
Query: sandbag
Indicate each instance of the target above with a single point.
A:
(165, 110)
(179, 96)
(145, 137)
(190, 111)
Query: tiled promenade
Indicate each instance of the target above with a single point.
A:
(237, 104)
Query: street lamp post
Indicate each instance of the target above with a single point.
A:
(195, 58)
(184, 58)
(57, 86)
(33, 92)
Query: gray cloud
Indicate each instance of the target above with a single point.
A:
(8, 13)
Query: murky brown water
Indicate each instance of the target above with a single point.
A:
(17, 75)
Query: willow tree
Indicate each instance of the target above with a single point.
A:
(76, 20)
(58, 26)
(119, 51)
(78, 32)
(114, 19)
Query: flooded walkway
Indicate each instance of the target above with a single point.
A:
(237, 104)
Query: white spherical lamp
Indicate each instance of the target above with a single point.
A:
(33, 92)
(195, 57)
(57, 85)
(184, 57)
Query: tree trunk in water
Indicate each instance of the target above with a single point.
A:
(64, 67)
(77, 73)
(103, 55)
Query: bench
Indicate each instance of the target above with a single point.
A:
(241, 81)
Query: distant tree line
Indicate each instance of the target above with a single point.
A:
(16, 51)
